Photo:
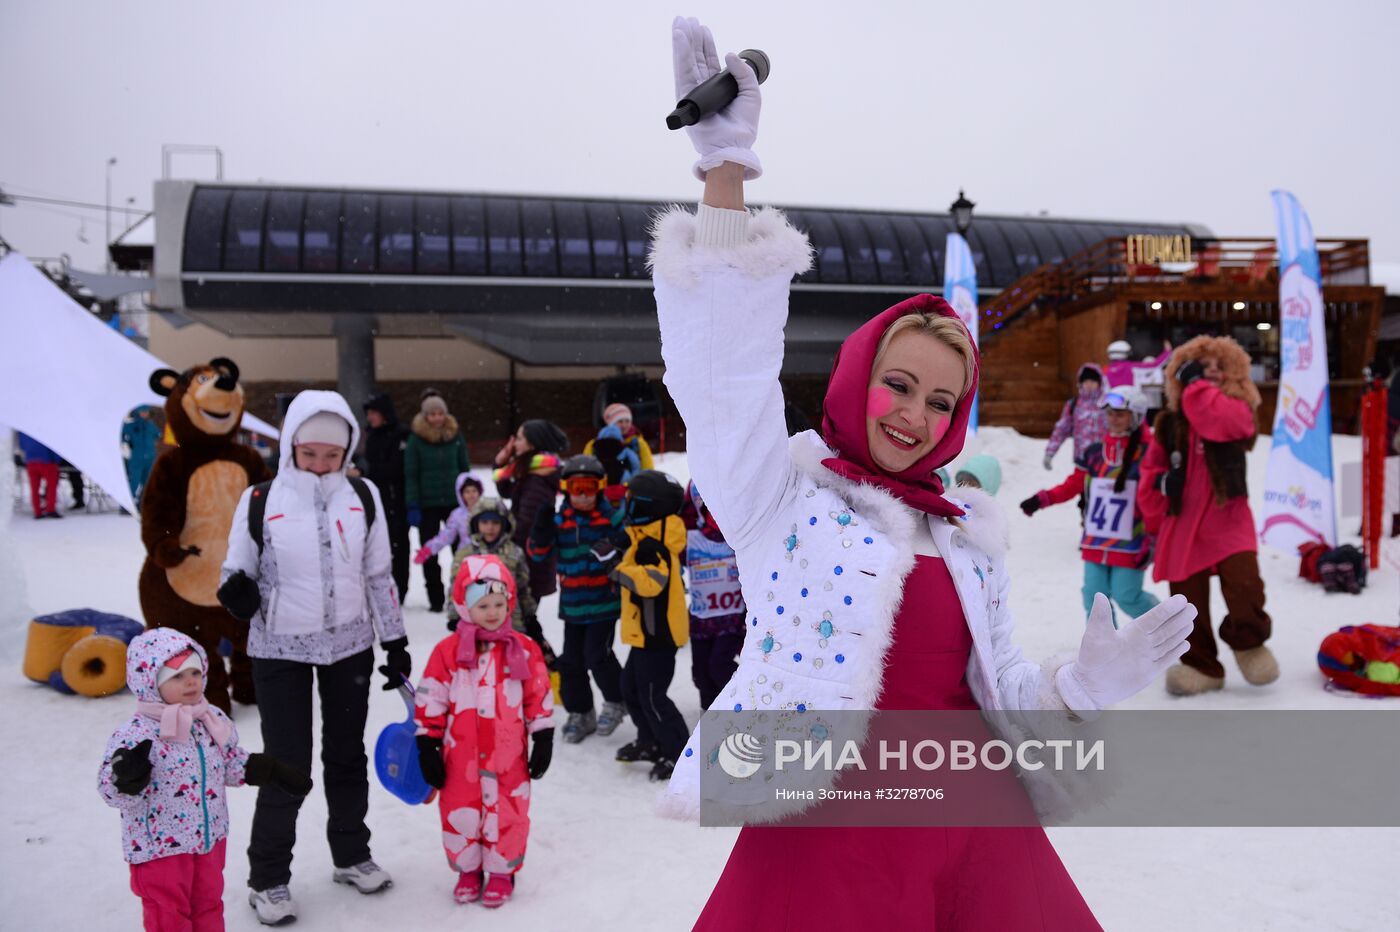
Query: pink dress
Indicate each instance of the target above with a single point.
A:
(965, 879)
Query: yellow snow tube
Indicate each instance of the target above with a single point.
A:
(95, 666)
(47, 645)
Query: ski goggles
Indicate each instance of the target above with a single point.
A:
(582, 485)
(481, 589)
(1116, 401)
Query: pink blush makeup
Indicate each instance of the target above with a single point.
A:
(878, 401)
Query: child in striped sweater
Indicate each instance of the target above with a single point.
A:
(589, 603)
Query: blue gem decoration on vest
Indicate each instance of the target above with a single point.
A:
(791, 544)
(769, 644)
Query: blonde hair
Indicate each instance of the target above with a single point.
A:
(947, 330)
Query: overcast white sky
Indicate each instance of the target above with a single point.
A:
(1176, 111)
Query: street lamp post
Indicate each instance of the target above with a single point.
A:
(107, 241)
(961, 210)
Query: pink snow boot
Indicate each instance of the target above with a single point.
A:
(499, 887)
(468, 889)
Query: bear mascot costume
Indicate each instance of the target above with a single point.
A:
(186, 511)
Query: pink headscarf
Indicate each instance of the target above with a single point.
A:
(844, 415)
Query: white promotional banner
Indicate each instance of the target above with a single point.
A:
(68, 380)
(1298, 500)
(960, 290)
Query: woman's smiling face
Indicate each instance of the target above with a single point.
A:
(914, 387)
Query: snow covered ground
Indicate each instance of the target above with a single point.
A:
(598, 855)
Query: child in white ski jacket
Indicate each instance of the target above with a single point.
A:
(165, 770)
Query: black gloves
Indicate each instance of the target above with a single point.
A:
(131, 768)
(397, 664)
(607, 551)
(239, 594)
(1173, 483)
(264, 770)
(1190, 371)
(430, 761)
(651, 551)
(541, 753)
(1031, 505)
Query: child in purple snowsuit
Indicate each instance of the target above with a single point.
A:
(456, 530)
(165, 769)
(1081, 417)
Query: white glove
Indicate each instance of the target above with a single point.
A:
(726, 136)
(1048, 461)
(1115, 664)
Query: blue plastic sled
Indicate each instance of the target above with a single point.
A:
(396, 758)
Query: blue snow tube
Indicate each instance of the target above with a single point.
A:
(396, 758)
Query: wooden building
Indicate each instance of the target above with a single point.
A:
(1152, 291)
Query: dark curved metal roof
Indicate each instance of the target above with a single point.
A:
(542, 280)
(296, 232)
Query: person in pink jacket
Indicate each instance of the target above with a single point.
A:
(486, 687)
(1194, 497)
(165, 770)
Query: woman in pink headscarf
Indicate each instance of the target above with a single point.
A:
(849, 525)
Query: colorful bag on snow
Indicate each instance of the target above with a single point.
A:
(1363, 658)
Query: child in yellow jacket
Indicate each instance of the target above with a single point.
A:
(655, 618)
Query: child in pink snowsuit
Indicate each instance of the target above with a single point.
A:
(484, 689)
(165, 769)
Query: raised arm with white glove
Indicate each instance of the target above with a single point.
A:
(1114, 664)
(729, 135)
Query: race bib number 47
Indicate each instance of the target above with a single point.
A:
(1110, 513)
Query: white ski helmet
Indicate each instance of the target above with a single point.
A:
(1119, 350)
(1125, 398)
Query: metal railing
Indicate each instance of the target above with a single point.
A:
(1109, 264)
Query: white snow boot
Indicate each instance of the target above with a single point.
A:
(367, 877)
(1188, 681)
(274, 905)
(612, 715)
(580, 725)
(1257, 665)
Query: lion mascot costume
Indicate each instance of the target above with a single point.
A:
(186, 512)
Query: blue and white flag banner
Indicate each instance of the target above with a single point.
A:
(960, 290)
(1299, 505)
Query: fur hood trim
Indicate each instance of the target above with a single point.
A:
(429, 434)
(774, 247)
(983, 521)
(1233, 359)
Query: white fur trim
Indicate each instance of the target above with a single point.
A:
(983, 520)
(773, 247)
(1049, 695)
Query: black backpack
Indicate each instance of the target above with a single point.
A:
(1343, 569)
(257, 507)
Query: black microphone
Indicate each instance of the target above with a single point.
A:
(715, 94)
